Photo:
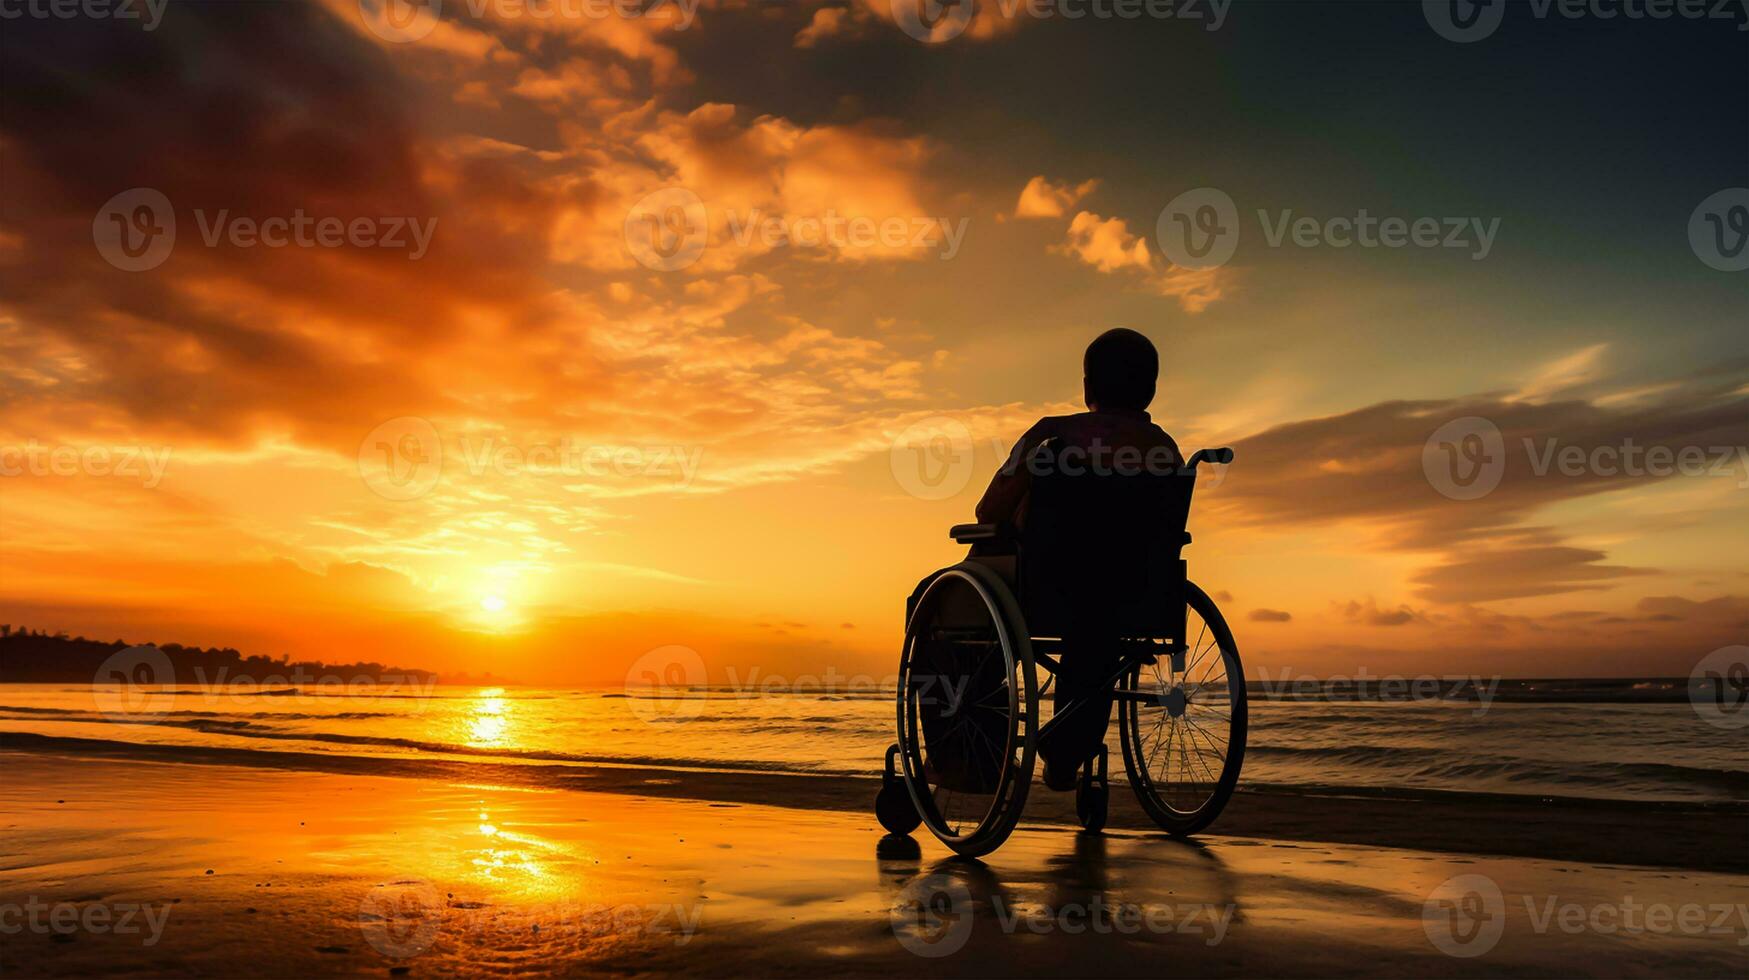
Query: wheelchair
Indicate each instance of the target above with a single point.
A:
(1100, 557)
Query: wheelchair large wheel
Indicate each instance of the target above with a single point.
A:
(968, 709)
(1183, 720)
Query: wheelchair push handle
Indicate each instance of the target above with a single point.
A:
(1222, 456)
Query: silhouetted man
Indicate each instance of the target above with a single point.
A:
(1119, 372)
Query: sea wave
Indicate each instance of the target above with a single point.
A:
(1459, 768)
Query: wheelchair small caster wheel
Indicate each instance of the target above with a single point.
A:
(893, 806)
(1093, 795)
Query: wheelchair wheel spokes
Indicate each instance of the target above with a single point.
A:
(1183, 724)
(972, 743)
(967, 697)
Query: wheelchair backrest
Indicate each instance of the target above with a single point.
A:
(1100, 551)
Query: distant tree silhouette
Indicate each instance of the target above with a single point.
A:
(28, 657)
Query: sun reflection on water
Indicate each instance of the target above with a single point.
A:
(488, 721)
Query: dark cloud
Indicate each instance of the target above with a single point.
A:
(256, 110)
(1367, 465)
(1269, 616)
(1370, 614)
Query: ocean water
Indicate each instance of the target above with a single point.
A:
(1620, 741)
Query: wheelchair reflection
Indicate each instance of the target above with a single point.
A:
(1167, 891)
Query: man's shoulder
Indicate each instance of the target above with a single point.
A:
(1082, 427)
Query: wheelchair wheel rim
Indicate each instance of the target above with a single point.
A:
(1184, 738)
(970, 822)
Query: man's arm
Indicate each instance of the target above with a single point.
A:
(1007, 490)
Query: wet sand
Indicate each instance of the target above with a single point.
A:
(264, 871)
(1703, 837)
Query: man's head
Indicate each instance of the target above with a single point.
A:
(1119, 371)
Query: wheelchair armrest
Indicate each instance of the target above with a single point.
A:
(1222, 456)
(980, 533)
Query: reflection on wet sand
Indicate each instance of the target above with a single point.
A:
(320, 873)
(1171, 890)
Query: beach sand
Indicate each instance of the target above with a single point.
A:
(231, 871)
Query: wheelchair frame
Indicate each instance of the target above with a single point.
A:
(906, 799)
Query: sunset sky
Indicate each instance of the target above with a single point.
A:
(737, 416)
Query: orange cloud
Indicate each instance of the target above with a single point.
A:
(827, 22)
(1106, 243)
(1041, 198)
